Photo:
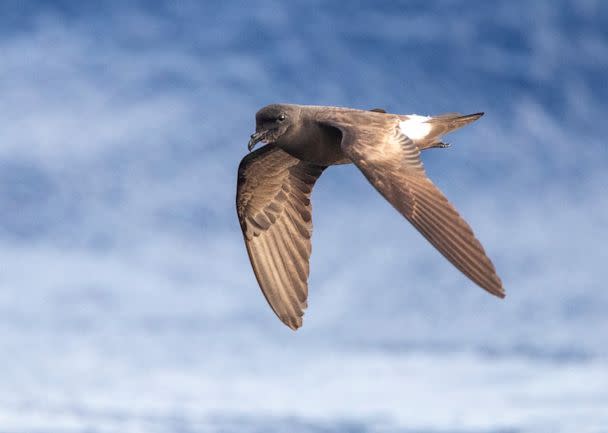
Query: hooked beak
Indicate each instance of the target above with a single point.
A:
(256, 137)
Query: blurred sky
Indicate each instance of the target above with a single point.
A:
(127, 303)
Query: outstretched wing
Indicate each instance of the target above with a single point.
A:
(391, 162)
(274, 210)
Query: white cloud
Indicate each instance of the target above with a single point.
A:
(118, 160)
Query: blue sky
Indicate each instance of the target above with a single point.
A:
(125, 290)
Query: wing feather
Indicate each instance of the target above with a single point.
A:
(391, 162)
(274, 210)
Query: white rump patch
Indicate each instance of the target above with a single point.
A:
(415, 127)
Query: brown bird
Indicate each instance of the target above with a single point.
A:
(275, 183)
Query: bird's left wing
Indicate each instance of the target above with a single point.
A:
(274, 210)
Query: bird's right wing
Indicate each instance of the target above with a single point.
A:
(391, 162)
(273, 206)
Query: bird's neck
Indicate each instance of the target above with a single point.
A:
(313, 142)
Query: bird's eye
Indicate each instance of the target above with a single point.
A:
(281, 118)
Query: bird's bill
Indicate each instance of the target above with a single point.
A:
(256, 137)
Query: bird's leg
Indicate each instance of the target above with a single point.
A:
(440, 145)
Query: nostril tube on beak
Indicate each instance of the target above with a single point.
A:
(255, 138)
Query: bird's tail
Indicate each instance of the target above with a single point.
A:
(451, 121)
(444, 124)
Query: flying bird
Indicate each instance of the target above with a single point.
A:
(275, 183)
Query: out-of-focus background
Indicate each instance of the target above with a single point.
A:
(127, 303)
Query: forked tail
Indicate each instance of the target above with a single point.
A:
(444, 124)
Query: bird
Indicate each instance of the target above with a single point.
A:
(275, 182)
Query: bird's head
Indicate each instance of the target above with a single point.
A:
(272, 122)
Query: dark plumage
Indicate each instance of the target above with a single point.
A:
(275, 183)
